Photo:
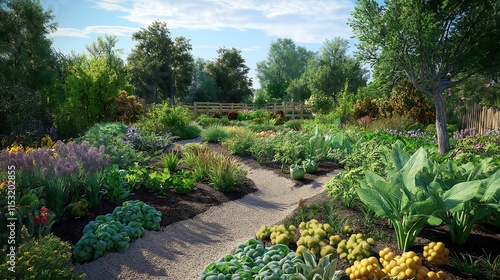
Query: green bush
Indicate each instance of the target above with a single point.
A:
(214, 133)
(205, 121)
(165, 118)
(187, 132)
(240, 143)
(48, 258)
(111, 135)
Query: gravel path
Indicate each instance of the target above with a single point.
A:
(182, 250)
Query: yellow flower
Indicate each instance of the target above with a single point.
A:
(30, 269)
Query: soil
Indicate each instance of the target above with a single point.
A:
(484, 239)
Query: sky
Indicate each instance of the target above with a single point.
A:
(247, 25)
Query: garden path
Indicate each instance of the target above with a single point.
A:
(183, 249)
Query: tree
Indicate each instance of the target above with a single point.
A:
(26, 57)
(436, 44)
(89, 86)
(203, 87)
(231, 75)
(285, 62)
(27, 65)
(332, 67)
(158, 63)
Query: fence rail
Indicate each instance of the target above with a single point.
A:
(482, 118)
(292, 110)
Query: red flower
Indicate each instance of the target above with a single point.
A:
(44, 209)
(44, 219)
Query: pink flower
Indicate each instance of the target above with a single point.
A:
(37, 220)
(44, 219)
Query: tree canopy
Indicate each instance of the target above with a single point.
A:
(285, 62)
(231, 75)
(436, 44)
(159, 63)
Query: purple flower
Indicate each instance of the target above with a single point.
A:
(124, 139)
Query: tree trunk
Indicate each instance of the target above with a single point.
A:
(441, 131)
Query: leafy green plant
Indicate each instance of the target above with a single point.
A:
(187, 132)
(136, 175)
(113, 232)
(183, 181)
(159, 182)
(325, 269)
(79, 208)
(310, 166)
(224, 173)
(171, 160)
(92, 186)
(485, 202)
(408, 198)
(214, 133)
(205, 121)
(114, 185)
(165, 118)
(263, 149)
(45, 258)
(293, 124)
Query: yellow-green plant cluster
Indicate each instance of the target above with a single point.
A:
(279, 234)
(315, 237)
(406, 266)
(355, 248)
(367, 269)
(436, 253)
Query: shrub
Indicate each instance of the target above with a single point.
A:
(149, 142)
(48, 258)
(165, 118)
(187, 132)
(232, 115)
(407, 101)
(204, 121)
(365, 107)
(293, 124)
(214, 133)
(110, 135)
(124, 108)
(260, 116)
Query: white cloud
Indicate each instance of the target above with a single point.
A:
(305, 21)
(87, 31)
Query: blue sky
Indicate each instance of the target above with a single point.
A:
(248, 25)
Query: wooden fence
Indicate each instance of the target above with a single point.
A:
(482, 118)
(292, 110)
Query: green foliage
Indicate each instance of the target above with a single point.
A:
(27, 60)
(158, 79)
(203, 87)
(183, 182)
(418, 192)
(205, 121)
(289, 148)
(214, 133)
(475, 148)
(79, 208)
(345, 105)
(285, 61)
(260, 116)
(113, 232)
(111, 136)
(263, 149)
(231, 75)
(171, 160)
(251, 260)
(165, 118)
(320, 103)
(293, 124)
(241, 142)
(114, 185)
(187, 132)
(90, 86)
(47, 258)
(323, 270)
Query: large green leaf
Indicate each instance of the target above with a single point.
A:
(379, 198)
(460, 193)
(490, 188)
(478, 172)
(398, 156)
(409, 171)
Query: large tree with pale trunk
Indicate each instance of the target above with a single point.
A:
(437, 44)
